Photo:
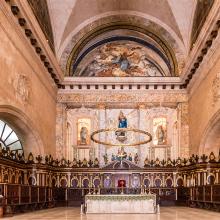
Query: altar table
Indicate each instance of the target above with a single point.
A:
(123, 203)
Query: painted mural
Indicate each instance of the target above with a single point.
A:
(119, 59)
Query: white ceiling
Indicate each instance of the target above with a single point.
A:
(68, 15)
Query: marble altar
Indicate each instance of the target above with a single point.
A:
(123, 203)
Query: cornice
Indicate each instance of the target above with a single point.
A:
(204, 43)
(121, 80)
(204, 69)
(27, 22)
(11, 21)
(122, 99)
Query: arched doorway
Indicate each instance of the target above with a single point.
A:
(23, 128)
(211, 138)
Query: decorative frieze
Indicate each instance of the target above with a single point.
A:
(22, 87)
(216, 89)
(122, 97)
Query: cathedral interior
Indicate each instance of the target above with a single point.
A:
(110, 106)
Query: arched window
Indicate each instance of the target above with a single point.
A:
(8, 138)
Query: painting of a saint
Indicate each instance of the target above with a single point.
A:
(84, 127)
(83, 135)
(159, 130)
(160, 135)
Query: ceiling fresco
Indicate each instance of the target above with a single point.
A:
(119, 59)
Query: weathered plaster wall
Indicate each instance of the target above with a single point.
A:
(204, 106)
(27, 97)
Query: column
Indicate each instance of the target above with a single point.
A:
(68, 180)
(38, 179)
(163, 180)
(102, 123)
(25, 177)
(174, 179)
(217, 177)
(142, 149)
(184, 180)
(198, 175)
(80, 180)
(204, 177)
(58, 180)
(61, 129)
(183, 125)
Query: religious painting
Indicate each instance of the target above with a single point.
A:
(122, 123)
(83, 131)
(119, 59)
(159, 131)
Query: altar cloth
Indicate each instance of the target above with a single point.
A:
(123, 203)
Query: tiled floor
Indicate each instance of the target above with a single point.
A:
(166, 213)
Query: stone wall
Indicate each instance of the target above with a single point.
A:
(27, 97)
(204, 106)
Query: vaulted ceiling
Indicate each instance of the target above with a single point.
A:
(168, 25)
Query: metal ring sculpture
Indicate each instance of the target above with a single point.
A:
(121, 130)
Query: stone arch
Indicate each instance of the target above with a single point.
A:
(24, 128)
(138, 18)
(210, 141)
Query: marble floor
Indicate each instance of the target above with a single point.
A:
(167, 213)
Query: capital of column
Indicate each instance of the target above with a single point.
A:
(101, 106)
(141, 106)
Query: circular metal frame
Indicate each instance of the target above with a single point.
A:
(121, 129)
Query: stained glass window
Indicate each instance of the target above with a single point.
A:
(8, 138)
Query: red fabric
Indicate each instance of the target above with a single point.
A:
(121, 183)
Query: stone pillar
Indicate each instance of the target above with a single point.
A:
(68, 180)
(174, 179)
(58, 180)
(204, 178)
(61, 129)
(217, 177)
(183, 119)
(163, 180)
(102, 136)
(198, 175)
(184, 180)
(142, 149)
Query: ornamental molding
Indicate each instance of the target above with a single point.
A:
(216, 89)
(136, 98)
(22, 88)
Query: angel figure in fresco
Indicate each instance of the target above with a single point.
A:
(160, 133)
(83, 135)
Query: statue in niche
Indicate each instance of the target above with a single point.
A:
(122, 120)
(160, 133)
(122, 123)
(130, 157)
(105, 156)
(121, 154)
(83, 135)
(113, 157)
(84, 163)
(136, 158)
